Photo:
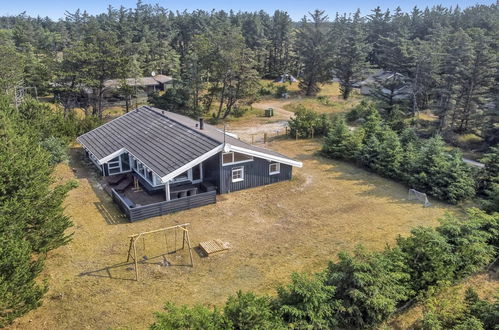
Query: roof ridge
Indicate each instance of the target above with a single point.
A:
(179, 123)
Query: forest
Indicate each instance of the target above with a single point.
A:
(446, 58)
(447, 55)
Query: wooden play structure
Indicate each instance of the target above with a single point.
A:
(132, 249)
(213, 246)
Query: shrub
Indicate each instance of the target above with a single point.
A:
(238, 112)
(306, 302)
(307, 123)
(268, 89)
(360, 111)
(57, 148)
(443, 174)
(430, 258)
(197, 317)
(248, 311)
(325, 100)
(281, 90)
(368, 287)
(469, 241)
(340, 143)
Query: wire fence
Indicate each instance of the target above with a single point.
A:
(264, 137)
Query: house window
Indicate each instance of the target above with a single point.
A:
(149, 176)
(182, 177)
(234, 158)
(125, 161)
(197, 172)
(238, 174)
(140, 169)
(114, 166)
(274, 168)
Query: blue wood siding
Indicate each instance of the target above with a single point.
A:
(256, 173)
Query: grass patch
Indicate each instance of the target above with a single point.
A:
(273, 230)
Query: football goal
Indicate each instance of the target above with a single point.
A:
(416, 195)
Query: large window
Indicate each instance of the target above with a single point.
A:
(274, 168)
(234, 158)
(125, 162)
(238, 174)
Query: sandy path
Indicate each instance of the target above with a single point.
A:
(253, 130)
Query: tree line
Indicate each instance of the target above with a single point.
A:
(363, 289)
(447, 56)
(394, 150)
(33, 139)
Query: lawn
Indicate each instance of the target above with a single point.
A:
(274, 230)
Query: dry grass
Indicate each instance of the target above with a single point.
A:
(273, 230)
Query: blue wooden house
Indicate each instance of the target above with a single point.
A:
(157, 162)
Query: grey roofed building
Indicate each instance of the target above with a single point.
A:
(156, 80)
(180, 157)
(164, 141)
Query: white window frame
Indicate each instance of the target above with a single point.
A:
(190, 177)
(233, 162)
(236, 169)
(278, 168)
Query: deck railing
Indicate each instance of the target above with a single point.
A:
(161, 208)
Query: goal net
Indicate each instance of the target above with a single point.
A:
(416, 195)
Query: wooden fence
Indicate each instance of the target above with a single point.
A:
(161, 208)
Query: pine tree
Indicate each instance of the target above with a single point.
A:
(350, 54)
(340, 143)
(312, 47)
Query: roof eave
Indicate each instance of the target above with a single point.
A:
(258, 154)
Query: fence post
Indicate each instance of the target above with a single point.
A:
(264, 137)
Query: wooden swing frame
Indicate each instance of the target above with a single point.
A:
(132, 249)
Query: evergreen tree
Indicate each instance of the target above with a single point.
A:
(340, 143)
(429, 258)
(312, 47)
(368, 287)
(306, 302)
(350, 56)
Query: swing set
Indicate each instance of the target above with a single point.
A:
(132, 249)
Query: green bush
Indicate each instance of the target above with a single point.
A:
(429, 257)
(281, 90)
(368, 287)
(174, 99)
(57, 148)
(470, 243)
(360, 111)
(238, 112)
(340, 143)
(307, 123)
(249, 311)
(197, 317)
(306, 302)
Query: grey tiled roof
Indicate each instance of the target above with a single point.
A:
(160, 143)
(164, 141)
(216, 134)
